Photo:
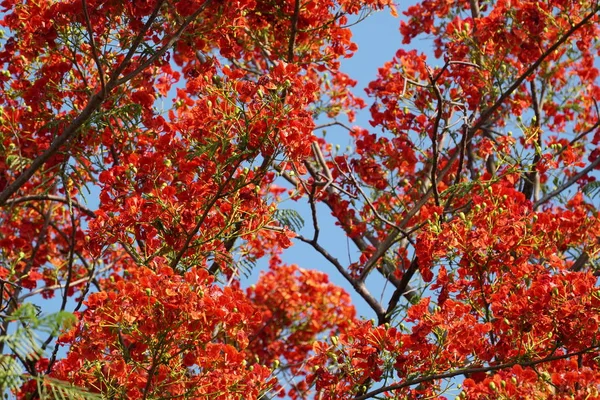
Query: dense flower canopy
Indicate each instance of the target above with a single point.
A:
(147, 150)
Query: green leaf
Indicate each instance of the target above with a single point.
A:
(10, 373)
(592, 189)
(290, 219)
(246, 265)
(25, 343)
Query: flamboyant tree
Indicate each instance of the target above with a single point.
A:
(145, 148)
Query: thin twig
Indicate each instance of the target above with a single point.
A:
(59, 199)
(380, 217)
(93, 46)
(313, 211)
(358, 286)
(335, 123)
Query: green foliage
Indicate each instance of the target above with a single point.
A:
(25, 344)
(245, 265)
(291, 219)
(592, 189)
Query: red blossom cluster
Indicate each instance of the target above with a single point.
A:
(147, 149)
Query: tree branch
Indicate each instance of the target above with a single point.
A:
(464, 371)
(567, 184)
(96, 101)
(357, 285)
(490, 111)
(93, 47)
(59, 199)
(294, 31)
(401, 288)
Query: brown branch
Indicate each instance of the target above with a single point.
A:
(313, 212)
(581, 261)
(464, 144)
(93, 46)
(434, 136)
(485, 116)
(174, 38)
(471, 162)
(567, 184)
(69, 133)
(465, 371)
(475, 12)
(359, 242)
(134, 46)
(402, 287)
(63, 200)
(294, 32)
(335, 123)
(96, 101)
(578, 137)
(357, 285)
(531, 183)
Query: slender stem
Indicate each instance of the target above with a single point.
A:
(93, 46)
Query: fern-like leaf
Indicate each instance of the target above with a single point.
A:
(592, 189)
(290, 219)
(24, 343)
(245, 265)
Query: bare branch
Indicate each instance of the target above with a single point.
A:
(567, 184)
(358, 286)
(335, 123)
(75, 204)
(93, 46)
